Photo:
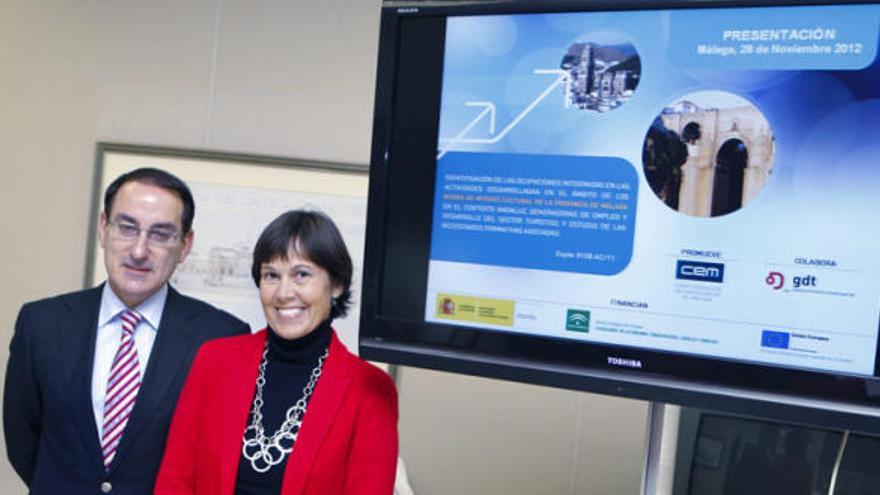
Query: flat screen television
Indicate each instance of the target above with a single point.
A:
(676, 201)
(719, 454)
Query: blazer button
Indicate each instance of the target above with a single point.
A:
(106, 487)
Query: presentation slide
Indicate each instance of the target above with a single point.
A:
(695, 181)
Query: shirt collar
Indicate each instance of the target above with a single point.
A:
(150, 310)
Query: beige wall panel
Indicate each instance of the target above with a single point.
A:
(300, 72)
(475, 436)
(612, 445)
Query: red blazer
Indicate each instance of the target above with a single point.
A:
(347, 443)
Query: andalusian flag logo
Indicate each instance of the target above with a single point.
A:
(577, 320)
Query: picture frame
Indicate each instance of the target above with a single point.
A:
(236, 196)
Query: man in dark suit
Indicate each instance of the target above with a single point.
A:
(93, 376)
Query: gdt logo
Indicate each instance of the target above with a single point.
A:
(699, 270)
(775, 280)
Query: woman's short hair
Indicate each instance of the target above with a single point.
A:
(314, 236)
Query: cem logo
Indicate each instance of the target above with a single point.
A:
(700, 271)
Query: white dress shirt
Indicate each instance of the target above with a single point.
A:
(110, 335)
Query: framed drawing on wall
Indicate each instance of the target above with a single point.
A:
(236, 196)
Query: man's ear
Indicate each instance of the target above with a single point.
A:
(187, 245)
(102, 229)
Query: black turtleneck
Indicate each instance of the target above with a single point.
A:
(288, 367)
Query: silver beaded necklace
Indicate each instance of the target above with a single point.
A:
(264, 452)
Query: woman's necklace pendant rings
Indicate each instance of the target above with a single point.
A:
(264, 452)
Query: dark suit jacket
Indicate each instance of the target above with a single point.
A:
(347, 443)
(51, 437)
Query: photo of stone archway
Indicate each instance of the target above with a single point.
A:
(708, 153)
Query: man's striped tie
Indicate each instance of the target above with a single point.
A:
(122, 388)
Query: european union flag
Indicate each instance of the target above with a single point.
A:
(777, 340)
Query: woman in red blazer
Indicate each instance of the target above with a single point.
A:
(287, 410)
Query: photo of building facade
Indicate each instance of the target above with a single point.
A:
(708, 154)
(600, 77)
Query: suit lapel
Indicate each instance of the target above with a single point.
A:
(328, 397)
(239, 394)
(78, 327)
(167, 361)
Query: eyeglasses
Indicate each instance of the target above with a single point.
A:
(131, 232)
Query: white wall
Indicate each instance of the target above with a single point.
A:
(281, 77)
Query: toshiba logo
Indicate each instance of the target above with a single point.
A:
(628, 363)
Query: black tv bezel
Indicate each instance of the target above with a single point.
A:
(824, 399)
